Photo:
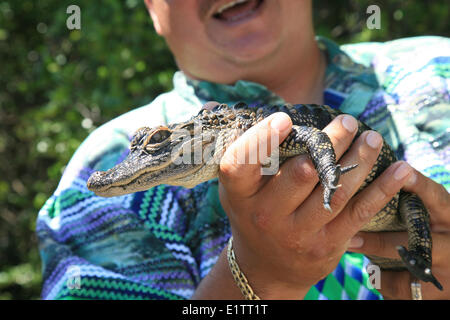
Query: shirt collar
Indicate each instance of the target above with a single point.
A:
(348, 85)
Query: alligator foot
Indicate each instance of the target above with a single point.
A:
(418, 266)
(331, 183)
(318, 146)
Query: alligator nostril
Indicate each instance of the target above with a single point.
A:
(95, 180)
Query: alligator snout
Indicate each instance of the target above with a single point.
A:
(96, 181)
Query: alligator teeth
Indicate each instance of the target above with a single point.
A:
(229, 5)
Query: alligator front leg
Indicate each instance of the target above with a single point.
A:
(315, 143)
(418, 258)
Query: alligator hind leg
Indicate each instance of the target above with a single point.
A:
(417, 258)
(315, 143)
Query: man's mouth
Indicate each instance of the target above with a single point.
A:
(233, 11)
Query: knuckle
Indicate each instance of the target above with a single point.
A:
(365, 205)
(361, 210)
(302, 170)
(229, 169)
(236, 171)
(369, 158)
(385, 189)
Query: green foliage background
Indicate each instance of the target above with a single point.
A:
(57, 85)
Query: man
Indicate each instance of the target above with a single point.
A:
(170, 242)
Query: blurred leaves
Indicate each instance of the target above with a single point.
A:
(345, 21)
(58, 85)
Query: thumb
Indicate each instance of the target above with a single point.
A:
(240, 167)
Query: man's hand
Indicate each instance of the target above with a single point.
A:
(285, 240)
(396, 285)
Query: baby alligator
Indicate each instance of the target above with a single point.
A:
(175, 155)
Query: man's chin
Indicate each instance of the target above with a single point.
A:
(249, 38)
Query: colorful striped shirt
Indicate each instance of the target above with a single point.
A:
(159, 244)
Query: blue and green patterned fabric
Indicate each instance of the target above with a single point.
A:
(160, 243)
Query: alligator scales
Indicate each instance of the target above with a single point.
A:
(154, 153)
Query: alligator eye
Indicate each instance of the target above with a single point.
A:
(158, 136)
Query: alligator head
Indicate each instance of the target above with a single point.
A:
(183, 154)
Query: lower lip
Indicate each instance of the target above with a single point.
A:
(245, 17)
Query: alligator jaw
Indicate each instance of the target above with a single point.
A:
(140, 172)
(101, 184)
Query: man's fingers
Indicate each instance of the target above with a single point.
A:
(397, 285)
(298, 177)
(363, 152)
(383, 245)
(380, 244)
(240, 167)
(210, 105)
(341, 132)
(365, 205)
(434, 196)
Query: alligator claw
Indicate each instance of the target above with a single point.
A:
(348, 168)
(332, 185)
(418, 266)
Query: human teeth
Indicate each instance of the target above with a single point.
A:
(229, 5)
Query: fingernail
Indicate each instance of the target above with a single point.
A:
(411, 180)
(402, 171)
(280, 122)
(349, 123)
(356, 242)
(210, 105)
(373, 139)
